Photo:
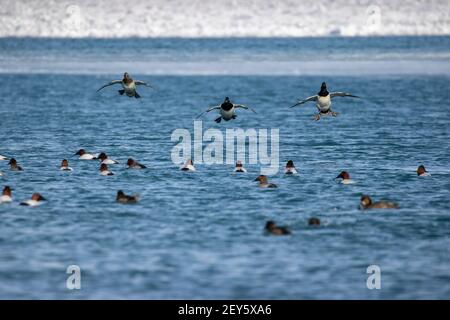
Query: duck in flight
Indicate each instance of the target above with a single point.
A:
(227, 110)
(323, 99)
(128, 85)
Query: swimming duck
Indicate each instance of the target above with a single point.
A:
(227, 110)
(104, 170)
(128, 85)
(133, 164)
(103, 157)
(3, 158)
(290, 168)
(314, 221)
(345, 176)
(6, 195)
(123, 198)
(263, 183)
(239, 167)
(323, 99)
(36, 200)
(366, 203)
(272, 228)
(65, 165)
(84, 155)
(14, 166)
(188, 166)
(422, 172)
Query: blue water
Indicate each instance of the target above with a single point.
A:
(200, 235)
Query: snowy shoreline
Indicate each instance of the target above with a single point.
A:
(214, 18)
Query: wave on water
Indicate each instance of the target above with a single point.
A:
(217, 18)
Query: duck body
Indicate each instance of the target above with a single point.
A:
(272, 228)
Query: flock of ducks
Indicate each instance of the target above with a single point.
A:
(227, 112)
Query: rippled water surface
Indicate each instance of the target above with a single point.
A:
(200, 235)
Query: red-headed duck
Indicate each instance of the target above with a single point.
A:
(65, 165)
(290, 168)
(227, 110)
(14, 166)
(103, 157)
(323, 101)
(188, 166)
(84, 155)
(272, 228)
(128, 85)
(133, 164)
(6, 195)
(345, 176)
(36, 200)
(239, 167)
(104, 170)
(123, 198)
(366, 203)
(263, 182)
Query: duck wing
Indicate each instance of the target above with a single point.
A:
(342, 94)
(312, 98)
(243, 107)
(110, 84)
(208, 110)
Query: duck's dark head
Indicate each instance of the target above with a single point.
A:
(12, 162)
(270, 225)
(261, 178)
(102, 156)
(130, 162)
(103, 167)
(7, 191)
(37, 197)
(421, 170)
(343, 175)
(226, 99)
(314, 221)
(365, 201)
(64, 163)
(290, 164)
(120, 194)
(323, 90)
(80, 152)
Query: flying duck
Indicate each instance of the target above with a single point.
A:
(323, 99)
(227, 110)
(128, 85)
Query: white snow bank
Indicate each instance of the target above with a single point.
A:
(221, 18)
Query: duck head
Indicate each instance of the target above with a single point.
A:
(80, 152)
(421, 170)
(261, 178)
(343, 175)
(7, 191)
(365, 201)
(37, 197)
